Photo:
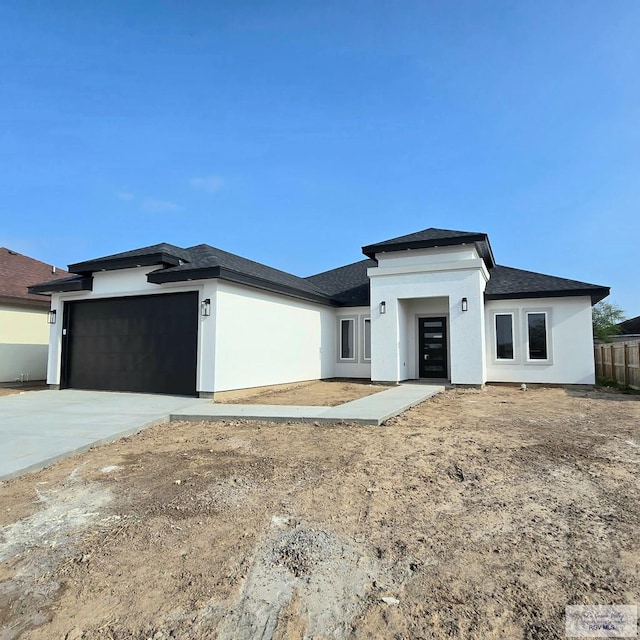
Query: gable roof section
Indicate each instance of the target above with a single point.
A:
(348, 285)
(18, 272)
(630, 327)
(432, 237)
(509, 283)
(209, 262)
(161, 254)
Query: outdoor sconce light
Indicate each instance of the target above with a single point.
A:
(205, 307)
(383, 307)
(51, 318)
(465, 305)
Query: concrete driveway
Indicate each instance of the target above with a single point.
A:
(40, 427)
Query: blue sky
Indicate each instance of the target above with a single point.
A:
(293, 133)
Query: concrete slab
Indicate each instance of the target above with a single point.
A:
(371, 410)
(39, 427)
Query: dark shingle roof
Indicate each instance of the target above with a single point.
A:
(507, 282)
(344, 286)
(348, 285)
(19, 272)
(434, 238)
(209, 262)
(630, 326)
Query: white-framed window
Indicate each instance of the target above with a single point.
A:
(347, 339)
(537, 335)
(366, 339)
(504, 337)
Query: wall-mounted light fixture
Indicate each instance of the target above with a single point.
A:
(465, 304)
(205, 307)
(383, 307)
(51, 318)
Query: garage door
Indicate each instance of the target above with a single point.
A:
(145, 344)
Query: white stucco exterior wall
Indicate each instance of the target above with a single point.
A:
(263, 338)
(24, 336)
(569, 342)
(409, 281)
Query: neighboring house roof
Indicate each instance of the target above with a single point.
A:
(429, 238)
(18, 272)
(630, 326)
(344, 286)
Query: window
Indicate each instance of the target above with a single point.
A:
(537, 335)
(366, 333)
(347, 338)
(504, 336)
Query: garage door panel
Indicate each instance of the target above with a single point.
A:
(139, 344)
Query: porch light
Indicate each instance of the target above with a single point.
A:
(383, 307)
(205, 307)
(51, 318)
(465, 305)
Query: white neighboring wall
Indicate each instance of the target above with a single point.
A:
(263, 338)
(569, 342)
(24, 335)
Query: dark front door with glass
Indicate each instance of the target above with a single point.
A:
(432, 343)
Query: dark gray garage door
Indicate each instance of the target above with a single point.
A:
(145, 344)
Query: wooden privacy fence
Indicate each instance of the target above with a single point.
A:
(619, 361)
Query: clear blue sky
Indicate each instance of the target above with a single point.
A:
(295, 132)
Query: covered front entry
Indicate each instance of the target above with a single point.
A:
(432, 347)
(144, 344)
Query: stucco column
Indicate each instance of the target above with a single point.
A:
(385, 340)
(207, 341)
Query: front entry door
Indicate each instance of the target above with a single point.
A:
(432, 345)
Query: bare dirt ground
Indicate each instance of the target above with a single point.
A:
(318, 393)
(476, 515)
(7, 390)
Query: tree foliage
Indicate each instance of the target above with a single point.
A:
(606, 317)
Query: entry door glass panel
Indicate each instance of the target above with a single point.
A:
(432, 345)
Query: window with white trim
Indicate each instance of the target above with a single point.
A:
(537, 339)
(366, 338)
(347, 348)
(504, 336)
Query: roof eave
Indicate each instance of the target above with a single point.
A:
(371, 250)
(222, 273)
(595, 294)
(128, 262)
(84, 283)
(25, 302)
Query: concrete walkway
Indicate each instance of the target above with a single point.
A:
(374, 409)
(39, 427)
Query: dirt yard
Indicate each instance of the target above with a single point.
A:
(477, 515)
(7, 390)
(318, 393)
